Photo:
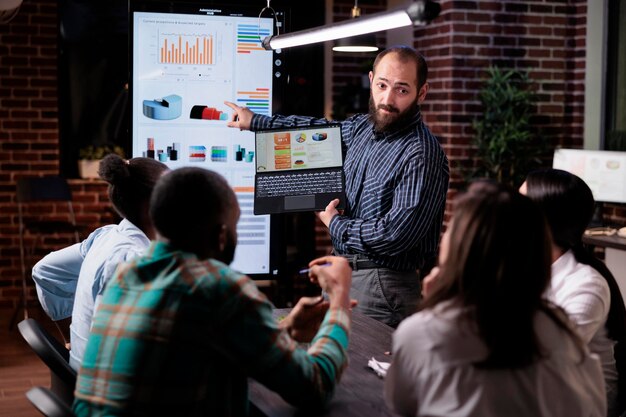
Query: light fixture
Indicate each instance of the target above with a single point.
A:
(418, 13)
(360, 43)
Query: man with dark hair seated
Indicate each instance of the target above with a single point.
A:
(178, 332)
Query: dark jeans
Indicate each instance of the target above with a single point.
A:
(386, 295)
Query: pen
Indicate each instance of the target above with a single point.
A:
(306, 270)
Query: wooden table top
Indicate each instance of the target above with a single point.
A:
(615, 241)
(360, 391)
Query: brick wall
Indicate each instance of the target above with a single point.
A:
(545, 38)
(29, 137)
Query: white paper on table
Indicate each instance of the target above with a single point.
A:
(379, 367)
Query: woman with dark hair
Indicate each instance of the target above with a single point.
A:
(581, 284)
(70, 281)
(485, 341)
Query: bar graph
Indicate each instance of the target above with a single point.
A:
(187, 49)
(249, 38)
(257, 100)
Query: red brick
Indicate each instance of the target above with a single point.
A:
(13, 82)
(504, 41)
(540, 30)
(553, 42)
(44, 125)
(465, 27)
(540, 8)
(525, 41)
(24, 114)
(23, 51)
(505, 18)
(554, 20)
(490, 5)
(539, 53)
(490, 29)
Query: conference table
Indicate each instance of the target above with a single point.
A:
(360, 391)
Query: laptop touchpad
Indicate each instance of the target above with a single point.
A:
(300, 202)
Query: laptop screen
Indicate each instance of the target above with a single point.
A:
(294, 148)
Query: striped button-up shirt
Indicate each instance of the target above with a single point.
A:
(178, 336)
(396, 185)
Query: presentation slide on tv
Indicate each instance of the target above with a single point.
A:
(184, 68)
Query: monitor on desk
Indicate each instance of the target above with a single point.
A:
(603, 171)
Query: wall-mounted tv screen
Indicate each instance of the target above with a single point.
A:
(186, 60)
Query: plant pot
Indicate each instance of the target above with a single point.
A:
(88, 168)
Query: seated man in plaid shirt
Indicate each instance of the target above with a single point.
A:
(178, 332)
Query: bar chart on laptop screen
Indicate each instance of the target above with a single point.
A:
(184, 67)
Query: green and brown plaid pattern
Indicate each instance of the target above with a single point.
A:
(175, 336)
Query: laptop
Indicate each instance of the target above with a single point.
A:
(298, 169)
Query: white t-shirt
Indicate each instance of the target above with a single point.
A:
(432, 373)
(585, 296)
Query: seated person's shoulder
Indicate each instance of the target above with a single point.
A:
(587, 279)
(229, 282)
(97, 234)
(430, 328)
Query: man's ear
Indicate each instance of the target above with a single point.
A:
(421, 95)
(371, 75)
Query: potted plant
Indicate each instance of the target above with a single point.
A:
(90, 156)
(506, 146)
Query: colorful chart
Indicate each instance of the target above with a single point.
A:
(166, 108)
(249, 38)
(194, 49)
(207, 113)
(219, 154)
(242, 155)
(257, 100)
(197, 153)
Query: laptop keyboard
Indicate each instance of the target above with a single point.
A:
(299, 183)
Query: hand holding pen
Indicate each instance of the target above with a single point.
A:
(306, 270)
(334, 275)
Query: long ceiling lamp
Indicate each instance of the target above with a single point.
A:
(361, 43)
(419, 12)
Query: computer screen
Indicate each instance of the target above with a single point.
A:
(603, 171)
(296, 148)
(187, 58)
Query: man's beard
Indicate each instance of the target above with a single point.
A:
(393, 121)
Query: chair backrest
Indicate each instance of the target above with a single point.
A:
(54, 355)
(48, 403)
(50, 188)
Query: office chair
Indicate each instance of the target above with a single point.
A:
(47, 403)
(54, 355)
(30, 191)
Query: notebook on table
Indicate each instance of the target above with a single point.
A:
(298, 169)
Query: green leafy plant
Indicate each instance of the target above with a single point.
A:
(92, 152)
(506, 146)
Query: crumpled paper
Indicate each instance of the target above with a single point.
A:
(379, 367)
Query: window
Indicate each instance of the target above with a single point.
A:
(615, 121)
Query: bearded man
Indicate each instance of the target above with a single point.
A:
(396, 183)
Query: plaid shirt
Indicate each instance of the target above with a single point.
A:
(396, 185)
(177, 336)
